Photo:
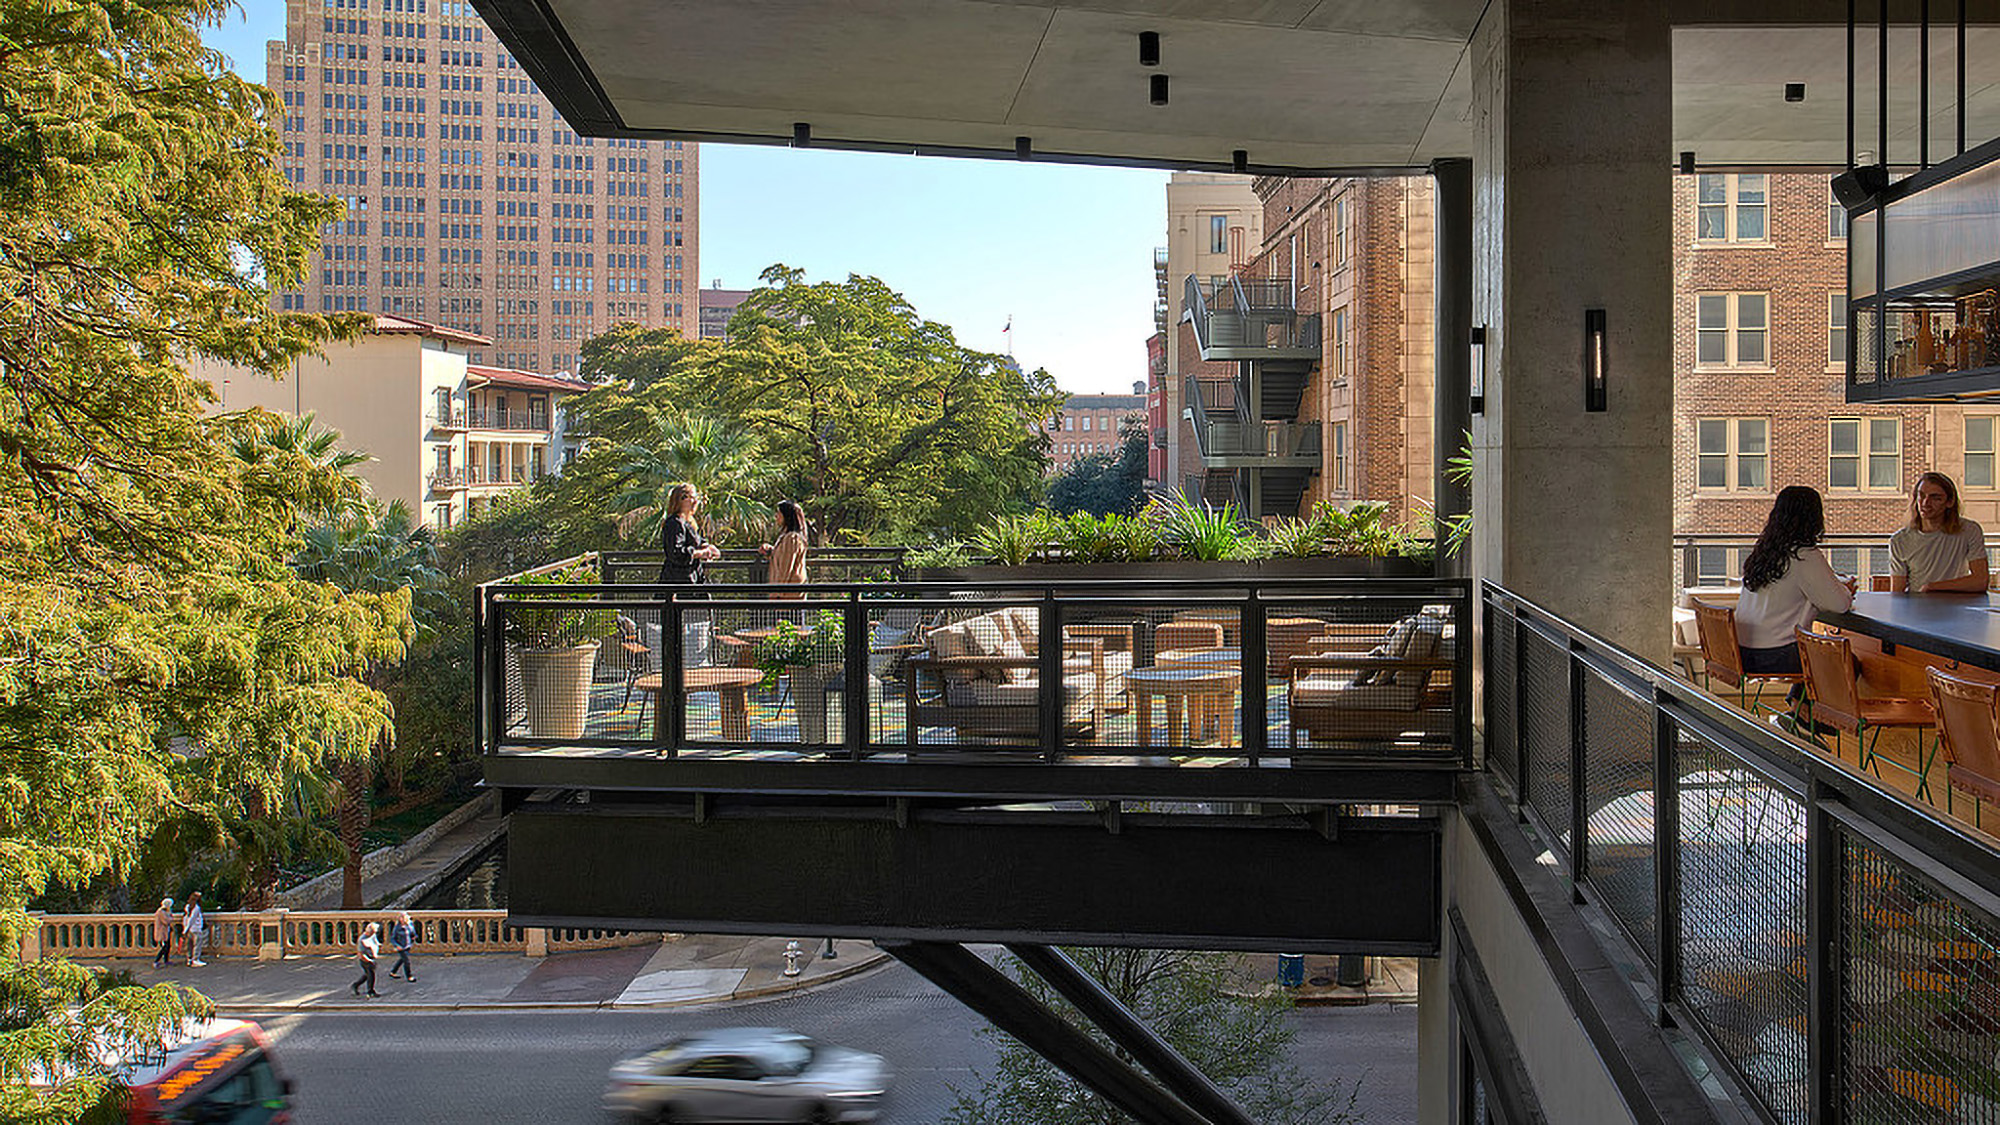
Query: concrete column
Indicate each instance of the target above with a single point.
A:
(271, 935)
(1572, 211)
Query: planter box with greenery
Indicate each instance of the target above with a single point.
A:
(555, 650)
(1178, 539)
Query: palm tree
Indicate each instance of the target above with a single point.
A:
(369, 549)
(724, 463)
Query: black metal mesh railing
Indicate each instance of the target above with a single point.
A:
(1769, 853)
(1742, 879)
(1306, 671)
(1618, 791)
(1545, 728)
(1921, 1001)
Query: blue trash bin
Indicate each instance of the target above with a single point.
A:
(1291, 970)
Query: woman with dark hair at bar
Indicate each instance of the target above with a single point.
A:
(1938, 551)
(1785, 579)
(788, 555)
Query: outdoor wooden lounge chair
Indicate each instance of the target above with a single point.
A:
(1399, 690)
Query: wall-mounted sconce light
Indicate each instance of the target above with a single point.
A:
(1595, 360)
(1149, 48)
(1239, 161)
(802, 135)
(1159, 89)
(1479, 369)
(1024, 148)
(1687, 162)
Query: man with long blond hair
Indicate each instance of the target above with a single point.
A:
(1939, 551)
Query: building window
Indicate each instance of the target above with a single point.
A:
(1733, 454)
(1836, 218)
(443, 519)
(1732, 330)
(443, 395)
(1877, 466)
(1731, 207)
(1979, 451)
(1340, 457)
(1086, 423)
(1218, 234)
(1339, 367)
(1711, 566)
(1836, 328)
(1340, 232)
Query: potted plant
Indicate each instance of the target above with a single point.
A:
(812, 656)
(555, 649)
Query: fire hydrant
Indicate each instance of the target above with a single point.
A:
(792, 955)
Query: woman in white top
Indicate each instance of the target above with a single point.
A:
(1785, 579)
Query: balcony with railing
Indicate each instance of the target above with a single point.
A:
(447, 422)
(1248, 318)
(446, 480)
(489, 476)
(488, 418)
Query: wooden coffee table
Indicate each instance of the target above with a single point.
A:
(1184, 689)
(731, 686)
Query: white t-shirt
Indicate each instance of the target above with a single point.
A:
(1766, 618)
(1923, 557)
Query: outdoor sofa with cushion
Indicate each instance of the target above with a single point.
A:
(1401, 688)
(979, 675)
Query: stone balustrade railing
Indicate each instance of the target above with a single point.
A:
(276, 934)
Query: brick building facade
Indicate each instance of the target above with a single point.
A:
(1089, 424)
(1760, 267)
(1356, 253)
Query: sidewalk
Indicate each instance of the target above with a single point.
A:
(1391, 980)
(684, 971)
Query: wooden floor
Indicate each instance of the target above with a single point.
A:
(1899, 765)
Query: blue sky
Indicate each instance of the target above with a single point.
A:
(1067, 252)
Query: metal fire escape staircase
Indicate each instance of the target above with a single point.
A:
(1254, 450)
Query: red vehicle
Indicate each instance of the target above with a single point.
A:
(221, 1073)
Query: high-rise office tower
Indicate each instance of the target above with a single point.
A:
(469, 204)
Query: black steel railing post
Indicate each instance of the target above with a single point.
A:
(482, 735)
(1579, 738)
(1824, 880)
(1049, 676)
(854, 730)
(1666, 855)
(673, 702)
(1256, 682)
(496, 672)
(1461, 676)
(1521, 754)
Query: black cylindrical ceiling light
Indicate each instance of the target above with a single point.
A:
(802, 135)
(1024, 148)
(1159, 89)
(1239, 160)
(1687, 162)
(1149, 48)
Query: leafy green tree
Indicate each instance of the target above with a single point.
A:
(724, 463)
(1104, 483)
(157, 654)
(875, 419)
(1195, 1002)
(367, 548)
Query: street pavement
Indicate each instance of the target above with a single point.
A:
(684, 969)
(681, 970)
(410, 1066)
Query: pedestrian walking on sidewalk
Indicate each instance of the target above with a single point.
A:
(196, 927)
(163, 933)
(365, 952)
(402, 936)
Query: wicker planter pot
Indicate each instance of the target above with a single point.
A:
(556, 684)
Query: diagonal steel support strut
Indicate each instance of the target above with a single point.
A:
(1010, 1008)
(1127, 1030)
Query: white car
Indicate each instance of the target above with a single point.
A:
(749, 1074)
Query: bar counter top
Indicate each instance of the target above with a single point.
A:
(1961, 627)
